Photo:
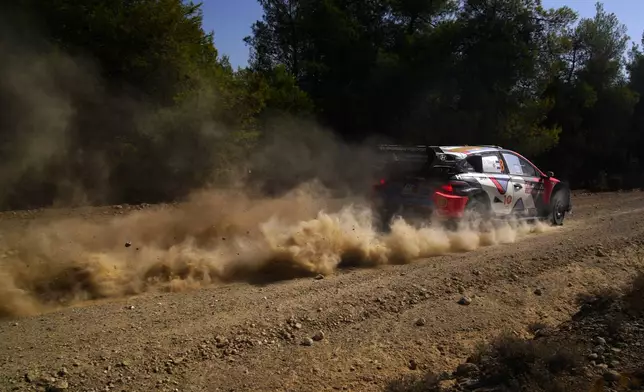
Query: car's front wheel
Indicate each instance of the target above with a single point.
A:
(558, 208)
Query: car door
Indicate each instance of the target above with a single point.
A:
(496, 183)
(527, 184)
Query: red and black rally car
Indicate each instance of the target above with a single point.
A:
(450, 182)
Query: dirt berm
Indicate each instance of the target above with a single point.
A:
(174, 298)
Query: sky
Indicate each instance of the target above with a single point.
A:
(231, 21)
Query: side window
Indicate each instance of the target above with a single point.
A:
(528, 169)
(519, 166)
(492, 164)
(466, 166)
(514, 165)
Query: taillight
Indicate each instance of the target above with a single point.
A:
(449, 187)
(379, 184)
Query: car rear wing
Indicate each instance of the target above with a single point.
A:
(417, 153)
(412, 149)
(421, 160)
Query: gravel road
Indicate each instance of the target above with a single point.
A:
(353, 329)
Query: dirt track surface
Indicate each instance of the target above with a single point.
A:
(377, 323)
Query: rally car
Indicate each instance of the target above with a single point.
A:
(453, 182)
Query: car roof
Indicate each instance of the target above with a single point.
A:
(468, 150)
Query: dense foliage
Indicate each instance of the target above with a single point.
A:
(128, 100)
(507, 72)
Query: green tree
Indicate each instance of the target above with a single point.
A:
(162, 114)
(594, 102)
(635, 139)
(156, 47)
(346, 55)
(417, 70)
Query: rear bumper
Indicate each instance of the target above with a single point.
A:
(449, 206)
(440, 205)
(394, 201)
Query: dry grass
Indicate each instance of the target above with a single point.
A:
(510, 364)
(550, 364)
(634, 298)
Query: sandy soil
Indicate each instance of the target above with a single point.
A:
(354, 329)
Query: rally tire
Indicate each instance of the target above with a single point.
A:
(558, 208)
(476, 214)
(385, 218)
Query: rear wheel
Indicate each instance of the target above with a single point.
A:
(385, 218)
(558, 207)
(476, 214)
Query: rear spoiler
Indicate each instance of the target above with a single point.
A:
(418, 153)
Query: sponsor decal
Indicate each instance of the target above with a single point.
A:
(501, 184)
(533, 187)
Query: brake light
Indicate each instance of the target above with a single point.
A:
(379, 184)
(449, 187)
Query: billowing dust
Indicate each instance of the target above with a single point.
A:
(214, 237)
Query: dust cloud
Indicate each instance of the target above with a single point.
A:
(216, 236)
(221, 235)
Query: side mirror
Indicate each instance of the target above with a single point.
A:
(550, 174)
